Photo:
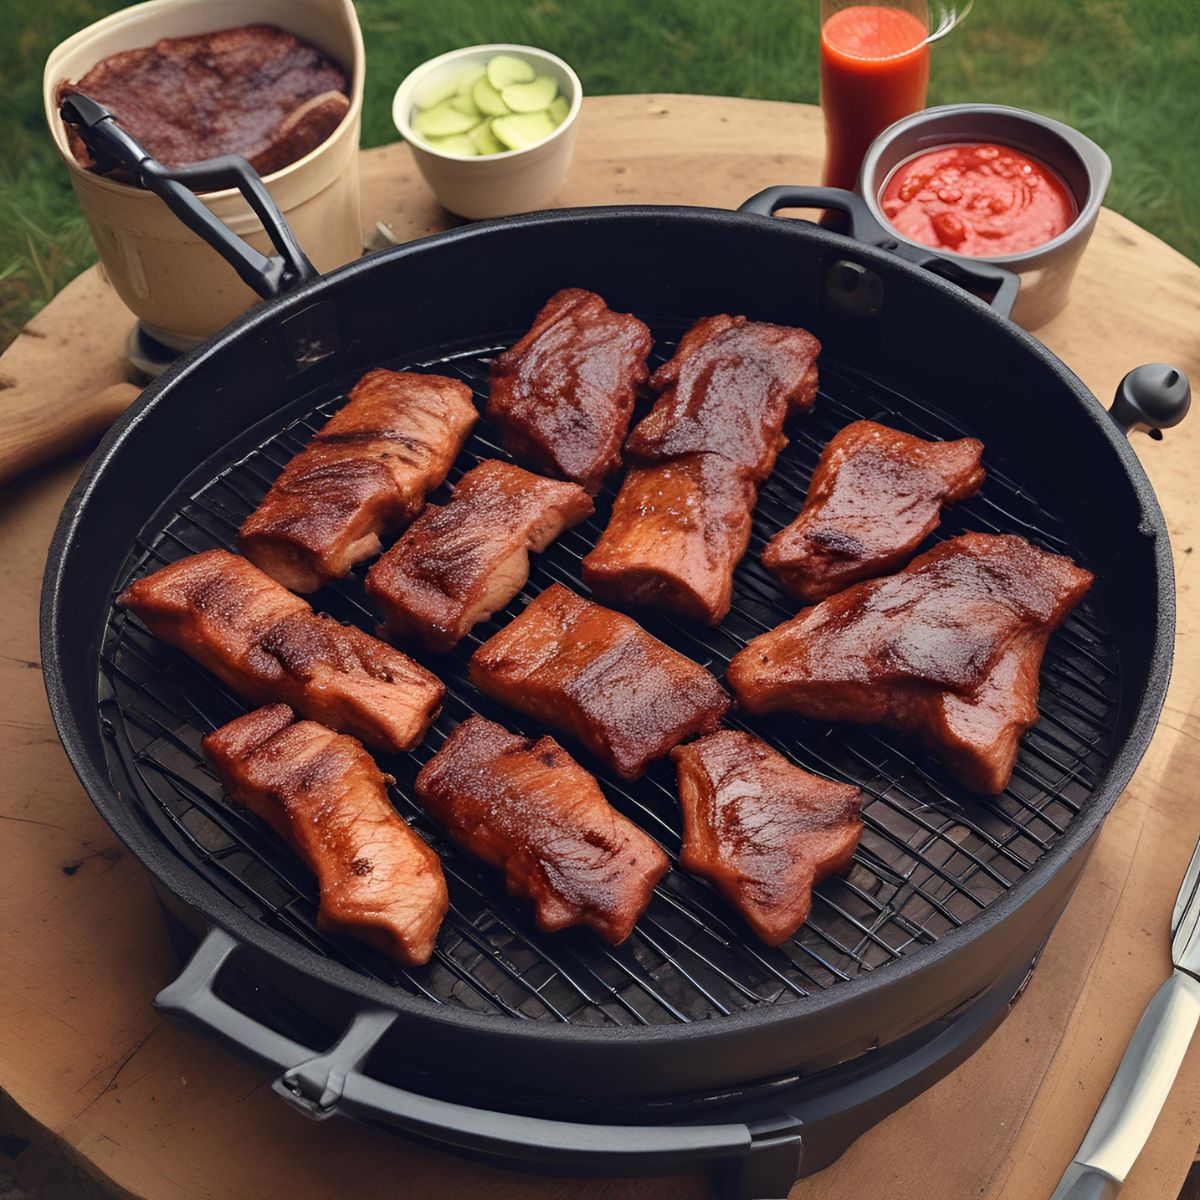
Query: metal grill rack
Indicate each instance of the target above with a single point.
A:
(932, 856)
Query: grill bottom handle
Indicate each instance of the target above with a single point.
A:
(758, 1165)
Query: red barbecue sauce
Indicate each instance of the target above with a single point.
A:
(977, 199)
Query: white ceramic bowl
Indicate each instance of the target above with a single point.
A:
(493, 185)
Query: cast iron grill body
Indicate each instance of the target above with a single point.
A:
(949, 893)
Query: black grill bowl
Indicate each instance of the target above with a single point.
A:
(949, 894)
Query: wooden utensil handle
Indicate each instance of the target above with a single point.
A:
(33, 431)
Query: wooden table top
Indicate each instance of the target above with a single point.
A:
(155, 1112)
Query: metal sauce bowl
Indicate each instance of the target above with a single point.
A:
(1046, 271)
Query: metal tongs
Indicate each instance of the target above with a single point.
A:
(1139, 1088)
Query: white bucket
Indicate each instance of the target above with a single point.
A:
(180, 288)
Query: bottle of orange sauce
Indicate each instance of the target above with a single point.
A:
(874, 70)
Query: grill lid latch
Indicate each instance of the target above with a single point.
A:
(315, 1087)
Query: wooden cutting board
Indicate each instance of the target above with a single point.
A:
(154, 1112)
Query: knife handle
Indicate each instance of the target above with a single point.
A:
(1137, 1093)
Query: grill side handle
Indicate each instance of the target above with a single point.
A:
(998, 286)
(754, 1164)
(1151, 398)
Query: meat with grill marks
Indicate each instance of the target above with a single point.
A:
(563, 395)
(761, 830)
(365, 474)
(948, 650)
(727, 390)
(270, 647)
(323, 794)
(527, 808)
(599, 676)
(681, 521)
(458, 564)
(677, 531)
(875, 496)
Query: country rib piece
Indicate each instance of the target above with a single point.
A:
(323, 794)
(270, 647)
(563, 395)
(681, 522)
(727, 390)
(458, 564)
(875, 496)
(948, 650)
(527, 808)
(366, 473)
(761, 830)
(599, 676)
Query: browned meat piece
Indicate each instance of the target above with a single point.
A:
(681, 521)
(368, 471)
(270, 647)
(253, 90)
(761, 830)
(875, 496)
(323, 794)
(677, 531)
(599, 676)
(529, 809)
(459, 564)
(727, 390)
(563, 395)
(949, 650)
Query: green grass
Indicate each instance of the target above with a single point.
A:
(1126, 72)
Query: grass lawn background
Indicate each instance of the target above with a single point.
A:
(1126, 72)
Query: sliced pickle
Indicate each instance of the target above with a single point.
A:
(557, 112)
(504, 69)
(530, 97)
(488, 99)
(486, 142)
(443, 121)
(522, 129)
(459, 143)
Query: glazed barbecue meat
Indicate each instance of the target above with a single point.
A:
(761, 830)
(527, 808)
(677, 531)
(681, 521)
(949, 650)
(365, 473)
(563, 395)
(459, 564)
(270, 647)
(599, 676)
(875, 496)
(323, 794)
(727, 390)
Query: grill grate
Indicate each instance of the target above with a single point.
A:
(931, 855)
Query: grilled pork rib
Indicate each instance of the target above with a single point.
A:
(365, 473)
(682, 519)
(599, 676)
(948, 650)
(270, 647)
(761, 830)
(529, 809)
(323, 794)
(875, 496)
(563, 395)
(458, 564)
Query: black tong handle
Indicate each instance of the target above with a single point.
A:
(111, 147)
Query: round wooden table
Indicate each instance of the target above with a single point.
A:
(154, 1112)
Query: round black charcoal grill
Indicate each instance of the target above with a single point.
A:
(691, 1043)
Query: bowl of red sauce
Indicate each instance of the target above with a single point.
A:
(987, 182)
